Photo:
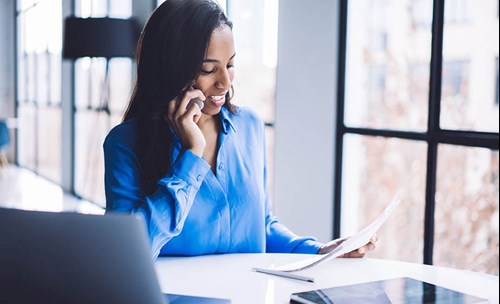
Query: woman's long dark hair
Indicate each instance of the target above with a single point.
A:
(170, 55)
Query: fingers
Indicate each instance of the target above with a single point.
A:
(194, 113)
(370, 246)
(183, 103)
(360, 252)
(177, 108)
(366, 248)
(355, 254)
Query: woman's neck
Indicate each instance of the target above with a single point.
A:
(208, 121)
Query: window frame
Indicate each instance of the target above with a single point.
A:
(434, 136)
(19, 15)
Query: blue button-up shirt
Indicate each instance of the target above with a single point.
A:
(195, 211)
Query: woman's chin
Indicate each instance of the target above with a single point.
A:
(211, 110)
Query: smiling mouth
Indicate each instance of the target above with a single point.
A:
(218, 100)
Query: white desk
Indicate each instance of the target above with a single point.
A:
(229, 276)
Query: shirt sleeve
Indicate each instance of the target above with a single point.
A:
(279, 239)
(164, 211)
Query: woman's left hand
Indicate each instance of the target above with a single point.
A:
(358, 253)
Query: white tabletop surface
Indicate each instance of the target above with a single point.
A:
(229, 276)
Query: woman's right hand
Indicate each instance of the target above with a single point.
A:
(184, 122)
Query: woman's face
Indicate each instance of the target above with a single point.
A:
(217, 73)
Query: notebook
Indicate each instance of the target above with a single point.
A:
(75, 258)
(393, 291)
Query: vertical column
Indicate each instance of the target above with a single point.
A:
(67, 104)
(305, 115)
(7, 62)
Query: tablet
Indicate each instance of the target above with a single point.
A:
(393, 291)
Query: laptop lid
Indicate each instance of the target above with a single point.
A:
(75, 258)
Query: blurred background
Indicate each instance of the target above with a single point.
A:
(362, 99)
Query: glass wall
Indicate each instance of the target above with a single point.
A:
(375, 169)
(466, 235)
(102, 91)
(390, 143)
(389, 57)
(470, 52)
(39, 87)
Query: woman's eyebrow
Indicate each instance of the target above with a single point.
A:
(215, 60)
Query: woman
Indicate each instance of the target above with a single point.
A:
(196, 176)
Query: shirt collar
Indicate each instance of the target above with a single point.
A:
(226, 122)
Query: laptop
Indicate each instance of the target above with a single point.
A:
(77, 258)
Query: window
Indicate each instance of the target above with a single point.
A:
(421, 13)
(469, 53)
(454, 79)
(455, 93)
(39, 27)
(39, 68)
(374, 169)
(256, 34)
(457, 11)
(467, 189)
(419, 118)
(98, 108)
(385, 68)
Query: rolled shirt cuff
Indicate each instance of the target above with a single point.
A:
(308, 247)
(191, 168)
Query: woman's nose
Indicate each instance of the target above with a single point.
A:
(224, 80)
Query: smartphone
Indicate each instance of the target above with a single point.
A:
(193, 101)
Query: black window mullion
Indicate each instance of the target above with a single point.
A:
(453, 137)
(339, 135)
(468, 138)
(388, 133)
(433, 127)
(430, 202)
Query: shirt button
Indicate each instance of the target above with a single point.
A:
(221, 166)
(198, 178)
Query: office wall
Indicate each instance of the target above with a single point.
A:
(7, 64)
(305, 115)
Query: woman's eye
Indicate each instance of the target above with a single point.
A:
(214, 70)
(207, 72)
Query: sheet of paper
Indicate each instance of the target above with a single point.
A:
(352, 243)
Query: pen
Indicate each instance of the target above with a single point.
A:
(284, 274)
